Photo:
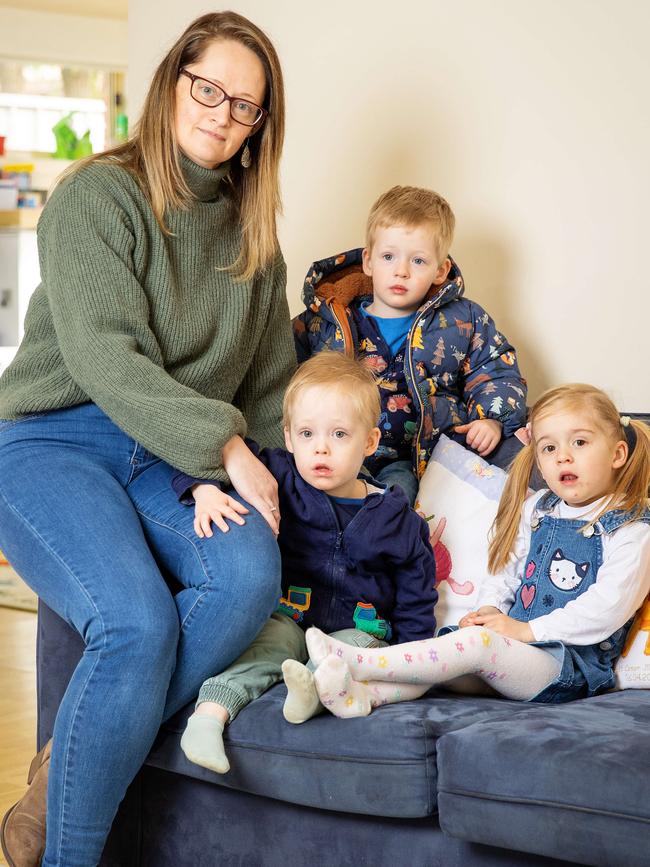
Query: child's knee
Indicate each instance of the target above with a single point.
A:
(282, 631)
(478, 640)
(357, 638)
(476, 633)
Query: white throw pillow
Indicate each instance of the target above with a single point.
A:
(461, 487)
(633, 667)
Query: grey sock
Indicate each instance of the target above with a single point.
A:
(202, 743)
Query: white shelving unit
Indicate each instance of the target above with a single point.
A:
(19, 276)
(6, 356)
(19, 270)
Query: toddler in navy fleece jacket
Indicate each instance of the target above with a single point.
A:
(356, 559)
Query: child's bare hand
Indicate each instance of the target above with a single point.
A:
(213, 505)
(505, 625)
(470, 619)
(482, 434)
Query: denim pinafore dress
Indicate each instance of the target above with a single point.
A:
(563, 561)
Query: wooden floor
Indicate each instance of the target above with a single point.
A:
(17, 703)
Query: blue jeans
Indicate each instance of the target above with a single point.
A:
(400, 473)
(89, 519)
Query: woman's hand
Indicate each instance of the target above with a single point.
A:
(213, 505)
(493, 619)
(252, 481)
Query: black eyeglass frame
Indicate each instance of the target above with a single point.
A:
(226, 98)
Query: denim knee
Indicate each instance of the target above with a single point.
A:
(143, 635)
(257, 569)
(400, 473)
(267, 587)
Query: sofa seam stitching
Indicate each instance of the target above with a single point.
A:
(538, 802)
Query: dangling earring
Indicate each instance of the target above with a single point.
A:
(245, 158)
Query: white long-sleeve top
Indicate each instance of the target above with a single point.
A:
(621, 584)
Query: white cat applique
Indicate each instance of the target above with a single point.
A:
(564, 573)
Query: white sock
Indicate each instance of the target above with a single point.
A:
(302, 702)
(318, 645)
(341, 694)
(202, 743)
(346, 697)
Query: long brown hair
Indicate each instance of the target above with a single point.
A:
(630, 492)
(152, 154)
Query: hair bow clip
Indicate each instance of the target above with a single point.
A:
(625, 420)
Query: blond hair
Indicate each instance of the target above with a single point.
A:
(335, 370)
(413, 207)
(630, 492)
(152, 154)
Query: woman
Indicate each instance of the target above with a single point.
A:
(159, 336)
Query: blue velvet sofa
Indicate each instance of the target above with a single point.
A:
(447, 780)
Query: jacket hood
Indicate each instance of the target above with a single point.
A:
(341, 279)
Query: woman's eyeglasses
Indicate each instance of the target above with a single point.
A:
(211, 95)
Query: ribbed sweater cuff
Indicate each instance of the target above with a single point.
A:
(222, 694)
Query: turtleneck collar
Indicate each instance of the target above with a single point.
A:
(204, 183)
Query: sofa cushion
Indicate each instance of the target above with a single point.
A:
(384, 764)
(568, 781)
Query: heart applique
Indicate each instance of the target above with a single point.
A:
(530, 569)
(527, 595)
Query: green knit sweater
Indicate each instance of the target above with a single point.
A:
(149, 327)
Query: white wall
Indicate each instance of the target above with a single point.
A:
(530, 117)
(29, 35)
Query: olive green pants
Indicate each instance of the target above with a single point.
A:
(260, 666)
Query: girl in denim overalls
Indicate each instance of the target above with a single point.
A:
(569, 568)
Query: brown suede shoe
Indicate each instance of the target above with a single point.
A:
(23, 828)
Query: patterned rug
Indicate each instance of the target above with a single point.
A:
(14, 593)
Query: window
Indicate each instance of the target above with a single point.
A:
(35, 96)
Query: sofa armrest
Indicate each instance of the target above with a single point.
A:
(58, 649)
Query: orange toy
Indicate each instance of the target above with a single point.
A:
(641, 622)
